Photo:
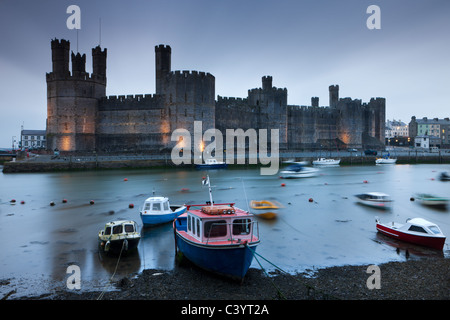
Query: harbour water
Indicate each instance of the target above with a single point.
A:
(320, 224)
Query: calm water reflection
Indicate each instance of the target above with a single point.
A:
(40, 241)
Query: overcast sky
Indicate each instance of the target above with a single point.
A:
(305, 45)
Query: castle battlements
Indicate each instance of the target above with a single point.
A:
(191, 74)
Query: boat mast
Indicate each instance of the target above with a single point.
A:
(204, 182)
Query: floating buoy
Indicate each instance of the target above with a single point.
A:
(326, 183)
(52, 203)
(22, 202)
(13, 201)
(283, 184)
(64, 201)
(184, 189)
(91, 202)
(411, 199)
(131, 206)
(365, 181)
(125, 179)
(310, 199)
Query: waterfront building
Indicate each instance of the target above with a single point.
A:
(80, 117)
(35, 139)
(396, 128)
(438, 129)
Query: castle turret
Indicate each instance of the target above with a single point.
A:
(266, 83)
(99, 61)
(78, 64)
(60, 58)
(163, 66)
(334, 95)
(314, 101)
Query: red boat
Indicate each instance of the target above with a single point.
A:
(417, 230)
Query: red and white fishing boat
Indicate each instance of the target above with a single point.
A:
(417, 230)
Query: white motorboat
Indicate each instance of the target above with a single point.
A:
(386, 160)
(417, 230)
(157, 210)
(326, 162)
(375, 199)
(298, 170)
(432, 200)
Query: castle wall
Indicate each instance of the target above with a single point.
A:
(82, 118)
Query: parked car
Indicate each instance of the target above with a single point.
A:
(370, 152)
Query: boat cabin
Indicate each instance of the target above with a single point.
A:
(422, 226)
(119, 228)
(221, 223)
(156, 205)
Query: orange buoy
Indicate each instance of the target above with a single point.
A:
(365, 181)
(125, 179)
(283, 184)
(64, 201)
(22, 202)
(13, 201)
(310, 200)
(131, 206)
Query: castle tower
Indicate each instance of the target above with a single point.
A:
(99, 61)
(60, 58)
(72, 99)
(334, 95)
(163, 66)
(266, 83)
(314, 101)
(78, 63)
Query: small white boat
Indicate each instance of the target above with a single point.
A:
(326, 162)
(375, 199)
(386, 160)
(298, 170)
(444, 176)
(119, 236)
(417, 230)
(431, 200)
(157, 210)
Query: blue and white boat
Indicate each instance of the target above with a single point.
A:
(211, 163)
(219, 238)
(157, 210)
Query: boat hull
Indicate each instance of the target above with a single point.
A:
(157, 219)
(423, 240)
(115, 246)
(232, 260)
(296, 175)
(211, 166)
(385, 161)
(326, 162)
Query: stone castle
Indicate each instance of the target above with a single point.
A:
(80, 117)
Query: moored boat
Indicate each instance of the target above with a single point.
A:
(220, 238)
(157, 210)
(211, 163)
(326, 162)
(119, 236)
(431, 200)
(375, 199)
(418, 231)
(386, 160)
(444, 176)
(298, 170)
(263, 204)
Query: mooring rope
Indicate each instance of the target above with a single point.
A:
(309, 288)
(114, 273)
